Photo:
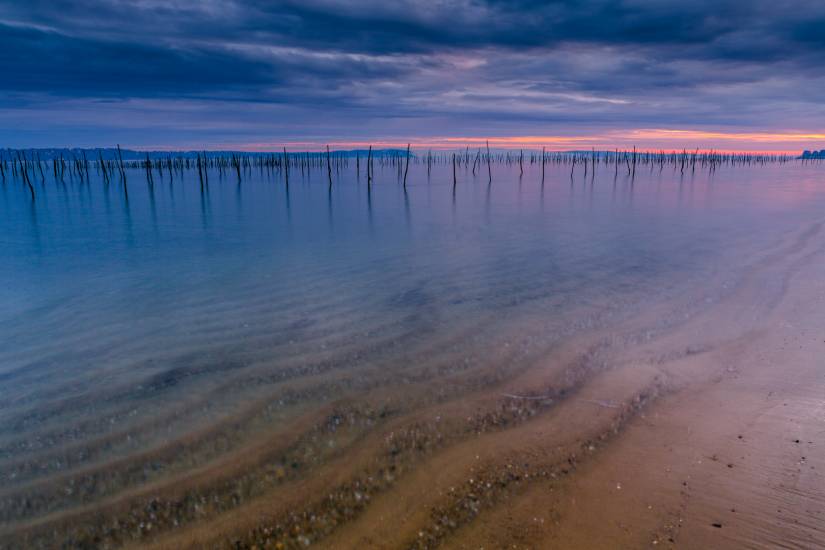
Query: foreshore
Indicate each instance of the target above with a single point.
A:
(703, 434)
(693, 422)
(709, 436)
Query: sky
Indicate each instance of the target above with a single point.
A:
(728, 75)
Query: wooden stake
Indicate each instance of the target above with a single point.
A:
(489, 168)
(407, 166)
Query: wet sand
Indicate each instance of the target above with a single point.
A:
(734, 458)
(731, 456)
(709, 436)
(696, 423)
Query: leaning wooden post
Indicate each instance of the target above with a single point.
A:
(454, 172)
(25, 172)
(329, 168)
(120, 164)
(407, 166)
(102, 167)
(40, 167)
(122, 173)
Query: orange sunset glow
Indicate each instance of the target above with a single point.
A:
(648, 139)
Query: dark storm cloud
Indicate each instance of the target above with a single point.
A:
(43, 60)
(412, 66)
(374, 26)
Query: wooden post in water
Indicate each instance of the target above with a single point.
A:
(489, 168)
(85, 165)
(407, 166)
(329, 168)
(122, 172)
(369, 166)
(102, 167)
(542, 165)
(40, 167)
(25, 173)
(286, 167)
(120, 164)
(454, 172)
(206, 172)
(149, 179)
(200, 170)
(593, 156)
(237, 162)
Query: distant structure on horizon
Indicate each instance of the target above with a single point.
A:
(813, 154)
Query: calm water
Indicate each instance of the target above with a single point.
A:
(125, 325)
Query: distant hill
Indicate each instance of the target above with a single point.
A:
(813, 154)
(110, 153)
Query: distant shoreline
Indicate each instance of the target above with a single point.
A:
(110, 153)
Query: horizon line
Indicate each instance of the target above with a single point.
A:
(786, 142)
(337, 147)
(644, 140)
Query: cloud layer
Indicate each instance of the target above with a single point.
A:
(221, 73)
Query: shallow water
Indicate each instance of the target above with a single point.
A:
(208, 321)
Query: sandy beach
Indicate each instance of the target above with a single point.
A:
(729, 456)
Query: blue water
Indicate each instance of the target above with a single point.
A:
(114, 312)
(89, 277)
